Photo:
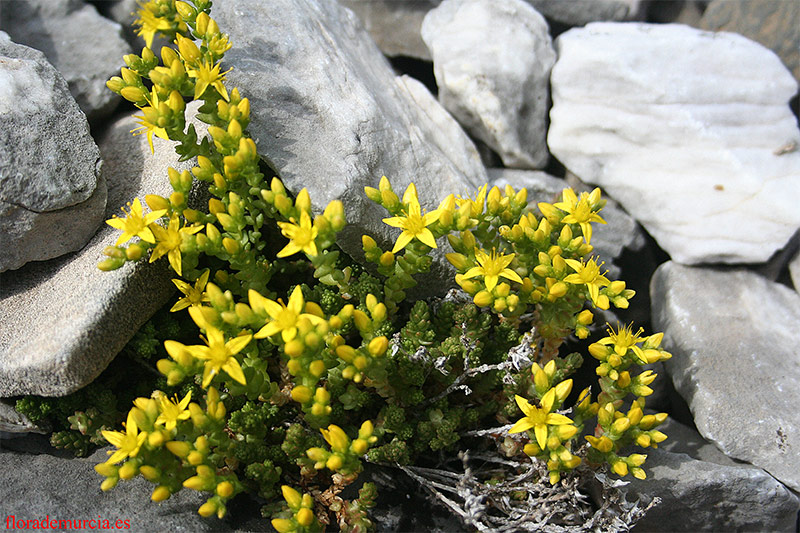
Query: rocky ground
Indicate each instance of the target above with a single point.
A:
(682, 112)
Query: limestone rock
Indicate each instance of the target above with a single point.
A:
(329, 114)
(64, 320)
(688, 130)
(12, 422)
(734, 338)
(41, 482)
(497, 88)
(51, 200)
(773, 23)
(85, 47)
(703, 490)
(43, 486)
(579, 12)
(393, 25)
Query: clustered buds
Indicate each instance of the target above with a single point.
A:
(344, 455)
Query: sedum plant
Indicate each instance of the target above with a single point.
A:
(308, 363)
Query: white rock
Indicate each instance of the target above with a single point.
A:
(579, 12)
(64, 320)
(51, 195)
(688, 130)
(733, 336)
(85, 47)
(496, 88)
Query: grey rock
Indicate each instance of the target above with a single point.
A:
(609, 240)
(579, 12)
(329, 114)
(701, 489)
(498, 88)
(773, 23)
(41, 482)
(688, 130)
(64, 320)
(734, 338)
(51, 200)
(84, 46)
(13, 422)
(46, 487)
(393, 25)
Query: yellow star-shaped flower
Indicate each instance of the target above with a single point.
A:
(169, 240)
(414, 224)
(580, 211)
(539, 418)
(625, 339)
(150, 24)
(135, 223)
(173, 411)
(475, 205)
(301, 236)
(588, 274)
(148, 119)
(207, 75)
(194, 296)
(219, 355)
(284, 317)
(127, 442)
(492, 268)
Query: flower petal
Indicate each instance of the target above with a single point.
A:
(523, 424)
(402, 241)
(555, 419)
(541, 435)
(234, 370)
(427, 237)
(524, 405)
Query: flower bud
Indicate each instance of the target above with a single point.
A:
(225, 489)
(160, 494)
(378, 346)
(179, 448)
(483, 299)
(301, 394)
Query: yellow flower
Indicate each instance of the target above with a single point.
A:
(169, 240)
(625, 339)
(539, 418)
(580, 210)
(150, 24)
(219, 355)
(284, 317)
(336, 437)
(194, 296)
(492, 268)
(476, 205)
(414, 224)
(135, 223)
(588, 274)
(127, 442)
(301, 236)
(147, 121)
(173, 411)
(207, 75)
